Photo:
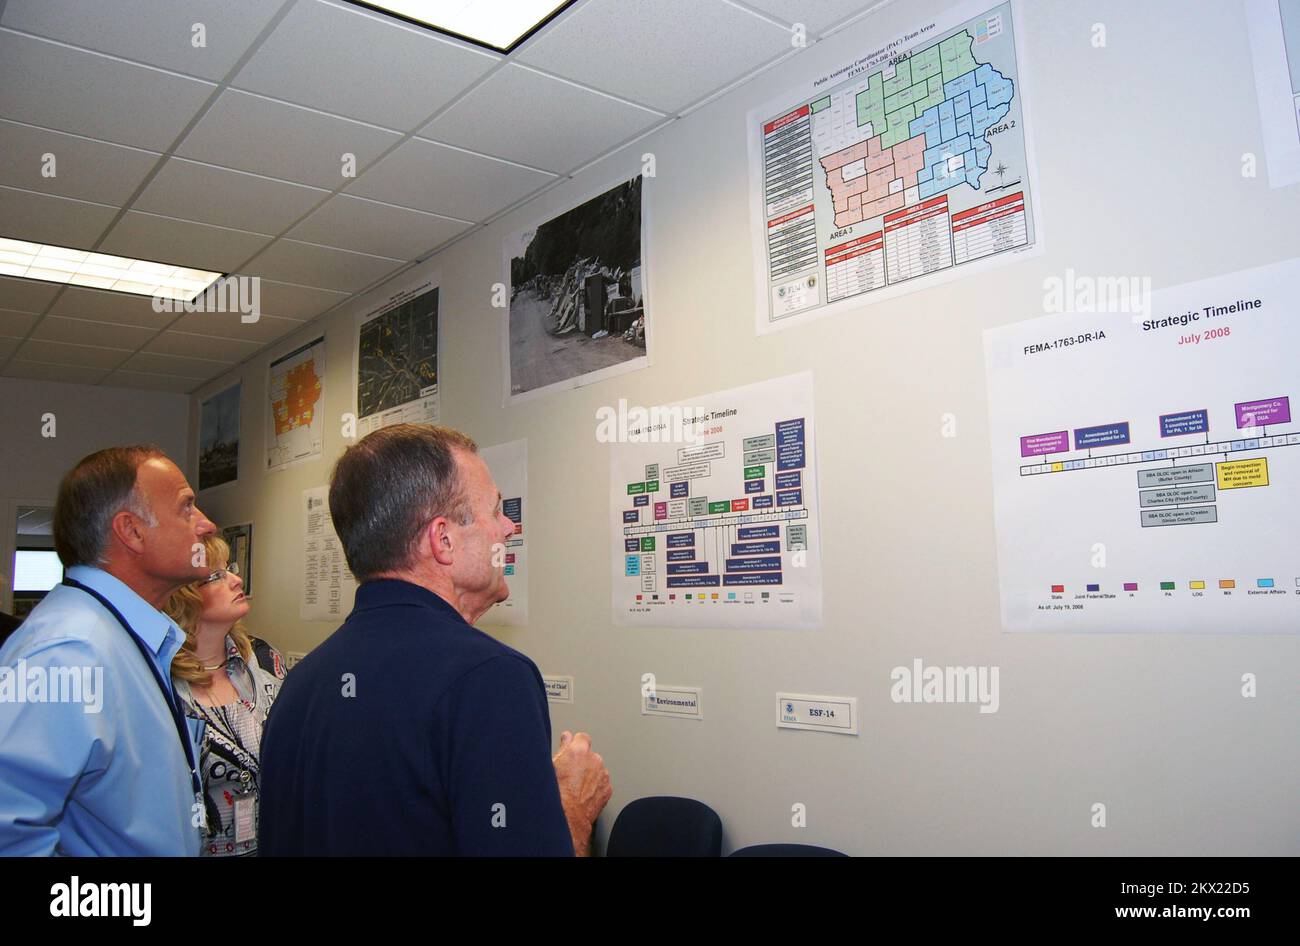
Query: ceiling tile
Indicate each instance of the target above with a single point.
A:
(8, 346)
(356, 64)
(208, 194)
(380, 229)
(44, 83)
(150, 382)
(815, 15)
(83, 168)
(60, 353)
(293, 144)
(676, 57)
(41, 218)
(538, 121)
(151, 363)
(306, 264)
(228, 325)
(296, 302)
(16, 324)
(24, 295)
(167, 240)
(446, 180)
(84, 332)
(47, 372)
(159, 32)
(121, 308)
(228, 350)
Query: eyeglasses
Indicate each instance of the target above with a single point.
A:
(220, 574)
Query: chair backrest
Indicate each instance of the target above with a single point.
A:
(786, 850)
(666, 826)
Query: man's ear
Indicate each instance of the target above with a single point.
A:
(127, 528)
(439, 538)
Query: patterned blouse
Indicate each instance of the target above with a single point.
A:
(232, 737)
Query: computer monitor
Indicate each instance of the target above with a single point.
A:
(36, 570)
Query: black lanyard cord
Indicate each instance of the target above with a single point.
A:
(182, 731)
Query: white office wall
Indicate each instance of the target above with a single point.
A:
(85, 419)
(1139, 146)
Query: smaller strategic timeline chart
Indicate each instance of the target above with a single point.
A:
(717, 527)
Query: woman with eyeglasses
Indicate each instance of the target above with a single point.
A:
(228, 679)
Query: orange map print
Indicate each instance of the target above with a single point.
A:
(301, 392)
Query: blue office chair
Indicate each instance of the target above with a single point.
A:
(665, 826)
(785, 850)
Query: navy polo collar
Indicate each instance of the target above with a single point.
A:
(390, 592)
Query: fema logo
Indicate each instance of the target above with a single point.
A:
(789, 707)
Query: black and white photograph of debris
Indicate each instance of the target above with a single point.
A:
(577, 299)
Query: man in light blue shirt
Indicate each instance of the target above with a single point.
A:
(91, 760)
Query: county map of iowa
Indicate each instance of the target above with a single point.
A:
(926, 126)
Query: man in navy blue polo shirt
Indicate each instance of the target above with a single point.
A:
(408, 731)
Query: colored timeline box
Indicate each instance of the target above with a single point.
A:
(1264, 582)
(1167, 586)
(1275, 410)
(1057, 589)
(1094, 587)
(1038, 444)
(1130, 586)
(1227, 583)
(1197, 586)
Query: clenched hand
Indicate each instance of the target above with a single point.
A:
(584, 787)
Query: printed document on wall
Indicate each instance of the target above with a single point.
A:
(295, 405)
(713, 509)
(907, 163)
(328, 587)
(508, 463)
(1146, 466)
(395, 365)
(1275, 50)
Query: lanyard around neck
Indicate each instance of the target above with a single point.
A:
(182, 731)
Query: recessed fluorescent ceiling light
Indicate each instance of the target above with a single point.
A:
(496, 23)
(97, 271)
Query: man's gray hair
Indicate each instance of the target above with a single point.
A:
(91, 494)
(389, 486)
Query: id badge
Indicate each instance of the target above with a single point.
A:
(246, 818)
